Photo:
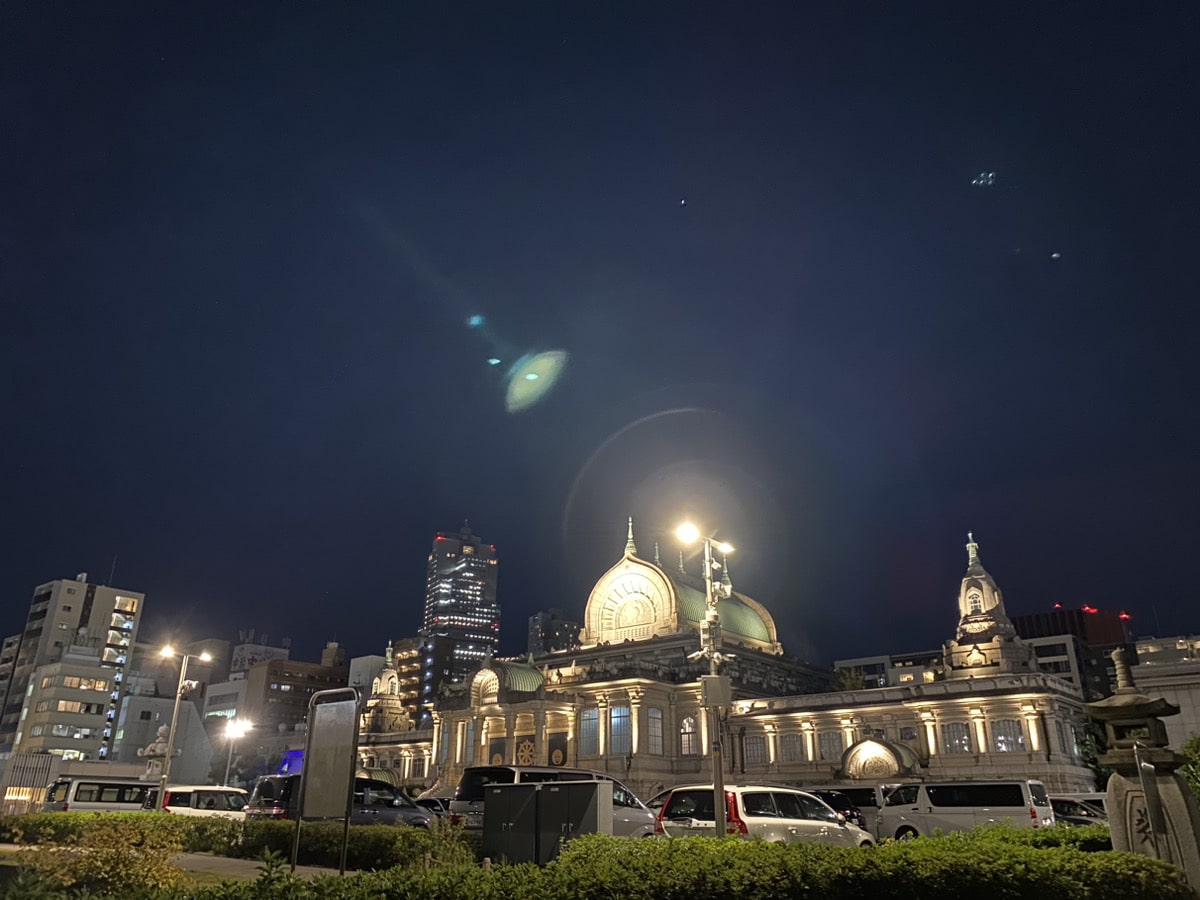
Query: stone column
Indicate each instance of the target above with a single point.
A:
(539, 737)
(635, 715)
(771, 730)
(602, 724)
(510, 745)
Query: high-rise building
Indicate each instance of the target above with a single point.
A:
(63, 614)
(551, 632)
(462, 617)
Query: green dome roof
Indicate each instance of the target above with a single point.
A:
(736, 616)
(516, 676)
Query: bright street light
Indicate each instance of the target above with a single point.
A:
(234, 729)
(169, 651)
(710, 647)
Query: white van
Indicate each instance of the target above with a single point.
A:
(94, 793)
(912, 810)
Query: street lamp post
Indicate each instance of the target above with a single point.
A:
(234, 729)
(710, 648)
(166, 767)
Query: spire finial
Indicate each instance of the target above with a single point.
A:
(630, 546)
(657, 561)
(972, 550)
(681, 568)
(725, 577)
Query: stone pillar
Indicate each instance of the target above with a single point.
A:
(771, 730)
(510, 745)
(635, 717)
(980, 736)
(602, 724)
(1151, 811)
(539, 737)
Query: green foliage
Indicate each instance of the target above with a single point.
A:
(1093, 745)
(370, 847)
(1190, 770)
(111, 854)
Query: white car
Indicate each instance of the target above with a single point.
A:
(774, 813)
(201, 800)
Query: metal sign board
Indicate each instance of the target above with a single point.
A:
(329, 760)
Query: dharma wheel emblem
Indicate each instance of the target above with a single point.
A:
(525, 753)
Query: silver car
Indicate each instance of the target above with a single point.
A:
(775, 814)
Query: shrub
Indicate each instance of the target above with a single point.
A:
(111, 854)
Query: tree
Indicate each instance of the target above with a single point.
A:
(1190, 770)
(1092, 745)
(847, 680)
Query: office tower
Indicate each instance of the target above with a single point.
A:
(462, 618)
(66, 614)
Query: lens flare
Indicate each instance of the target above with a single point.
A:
(532, 378)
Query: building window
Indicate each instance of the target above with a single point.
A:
(418, 767)
(908, 732)
(975, 603)
(756, 750)
(469, 756)
(654, 732)
(619, 729)
(830, 745)
(144, 715)
(793, 748)
(689, 740)
(956, 737)
(589, 743)
(1007, 736)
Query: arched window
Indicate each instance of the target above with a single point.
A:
(974, 603)
(589, 739)
(689, 740)
(956, 737)
(654, 731)
(1007, 736)
(793, 747)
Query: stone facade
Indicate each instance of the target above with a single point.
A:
(628, 701)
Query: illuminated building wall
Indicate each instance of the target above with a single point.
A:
(62, 614)
(461, 626)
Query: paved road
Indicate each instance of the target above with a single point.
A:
(222, 866)
(227, 866)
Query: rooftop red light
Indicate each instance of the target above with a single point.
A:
(1089, 609)
(1124, 615)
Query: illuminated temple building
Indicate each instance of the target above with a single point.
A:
(627, 701)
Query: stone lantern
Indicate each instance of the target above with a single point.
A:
(1151, 811)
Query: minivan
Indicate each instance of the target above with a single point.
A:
(912, 810)
(82, 793)
(375, 802)
(631, 817)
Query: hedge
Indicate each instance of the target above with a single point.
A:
(990, 864)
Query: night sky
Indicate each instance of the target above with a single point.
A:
(240, 245)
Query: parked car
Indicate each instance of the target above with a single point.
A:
(200, 800)
(839, 802)
(654, 804)
(439, 806)
(631, 817)
(1076, 812)
(868, 798)
(777, 814)
(912, 810)
(1091, 798)
(374, 802)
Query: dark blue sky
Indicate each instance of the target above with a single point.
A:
(239, 244)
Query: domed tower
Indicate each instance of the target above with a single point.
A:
(985, 643)
(385, 712)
